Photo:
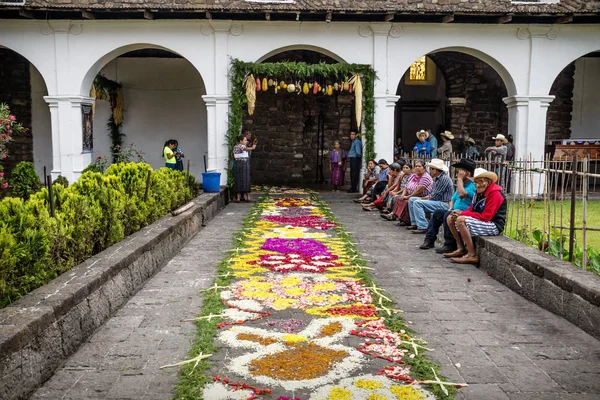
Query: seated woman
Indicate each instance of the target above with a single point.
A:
(394, 179)
(379, 186)
(485, 217)
(404, 175)
(370, 177)
(419, 185)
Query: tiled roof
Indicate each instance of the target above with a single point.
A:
(383, 6)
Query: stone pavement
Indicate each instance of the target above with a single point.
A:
(502, 345)
(122, 359)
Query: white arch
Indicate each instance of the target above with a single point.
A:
(301, 47)
(397, 73)
(554, 69)
(95, 68)
(46, 75)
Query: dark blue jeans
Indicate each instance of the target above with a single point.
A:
(438, 218)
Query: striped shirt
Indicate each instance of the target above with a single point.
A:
(443, 189)
(414, 181)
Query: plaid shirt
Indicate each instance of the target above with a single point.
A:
(443, 188)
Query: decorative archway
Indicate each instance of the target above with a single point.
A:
(161, 99)
(304, 80)
(294, 47)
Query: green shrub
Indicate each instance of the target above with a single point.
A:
(24, 181)
(61, 180)
(92, 214)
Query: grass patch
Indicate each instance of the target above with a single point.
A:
(536, 208)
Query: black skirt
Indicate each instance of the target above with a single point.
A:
(241, 175)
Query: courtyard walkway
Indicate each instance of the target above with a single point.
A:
(502, 345)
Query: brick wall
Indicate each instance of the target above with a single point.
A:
(483, 114)
(558, 121)
(15, 90)
(287, 125)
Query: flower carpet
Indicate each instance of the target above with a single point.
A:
(295, 316)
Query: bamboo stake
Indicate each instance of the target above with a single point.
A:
(518, 204)
(531, 201)
(584, 183)
(546, 206)
(562, 196)
(572, 221)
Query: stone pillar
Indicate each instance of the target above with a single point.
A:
(384, 102)
(384, 126)
(217, 107)
(68, 158)
(527, 124)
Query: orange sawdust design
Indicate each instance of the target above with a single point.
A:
(329, 330)
(316, 362)
(265, 341)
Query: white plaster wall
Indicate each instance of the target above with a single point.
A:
(585, 122)
(41, 128)
(162, 100)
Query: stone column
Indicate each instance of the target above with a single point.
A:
(384, 102)
(384, 126)
(68, 158)
(217, 107)
(527, 124)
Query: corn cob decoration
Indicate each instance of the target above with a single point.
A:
(250, 84)
(357, 86)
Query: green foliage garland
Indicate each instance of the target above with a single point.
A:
(105, 89)
(340, 71)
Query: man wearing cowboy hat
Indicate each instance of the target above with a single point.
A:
(471, 150)
(441, 193)
(486, 216)
(423, 147)
(498, 152)
(445, 150)
(461, 200)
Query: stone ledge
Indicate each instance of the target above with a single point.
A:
(547, 281)
(39, 331)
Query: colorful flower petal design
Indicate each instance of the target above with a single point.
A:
(317, 354)
(368, 386)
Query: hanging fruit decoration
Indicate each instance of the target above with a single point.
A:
(305, 88)
(356, 84)
(265, 87)
(250, 85)
(291, 88)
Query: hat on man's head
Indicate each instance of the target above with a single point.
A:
(448, 134)
(467, 164)
(483, 173)
(501, 138)
(422, 132)
(436, 163)
(382, 161)
(471, 140)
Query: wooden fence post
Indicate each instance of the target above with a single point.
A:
(50, 194)
(573, 197)
(147, 186)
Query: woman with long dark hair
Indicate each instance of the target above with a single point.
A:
(169, 154)
(241, 168)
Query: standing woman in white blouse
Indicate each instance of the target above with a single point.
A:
(241, 168)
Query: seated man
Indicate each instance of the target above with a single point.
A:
(485, 217)
(461, 200)
(441, 193)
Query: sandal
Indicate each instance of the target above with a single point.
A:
(456, 253)
(236, 201)
(466, 259)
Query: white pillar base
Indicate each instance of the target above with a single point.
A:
(68, 158)
(217, 107)
(384, 126)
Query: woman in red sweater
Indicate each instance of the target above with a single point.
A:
(485, 217)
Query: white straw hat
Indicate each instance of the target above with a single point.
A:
(422, 132)
(483, 173)
(448, 134)
(438, 164)
(501, 138)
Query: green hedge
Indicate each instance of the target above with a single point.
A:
(92, 214)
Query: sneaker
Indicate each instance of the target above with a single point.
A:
(445, 249)
(427, 244)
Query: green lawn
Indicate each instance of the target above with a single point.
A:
(592, 216)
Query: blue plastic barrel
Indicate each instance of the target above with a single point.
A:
(211, 181)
